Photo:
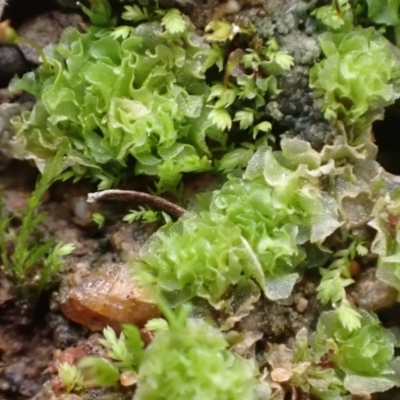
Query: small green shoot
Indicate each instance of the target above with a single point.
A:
(221, 118)
(245, 118)
(333, 14)
(278, 61)
(144, 214)
(52, 264)
(237, 158)
(334, 281)
(33, 264)
(71, 376)
(173, 21)
(125, 352)
(99, 219)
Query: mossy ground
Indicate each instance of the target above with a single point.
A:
(32, 340)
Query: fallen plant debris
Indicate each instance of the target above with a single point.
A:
(141, 198)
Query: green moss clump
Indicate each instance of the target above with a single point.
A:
(254, 227)
(194, 362)
(365, 355)
(357, 79)
(112, 96)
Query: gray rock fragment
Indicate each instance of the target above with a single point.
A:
(12, 62)
(45, 29)
(373, 294)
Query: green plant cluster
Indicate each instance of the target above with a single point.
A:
(334, 361)
(33, 263)
(125, 354)
(108, 98)
(255, 75)
(194, 362)
(130, 100)
(358, 77)
(135, 99)
(186, 359)
(252, 228)
(382, 13)
(335, 279)
(365, 355)
(71, 376)
(387, 241)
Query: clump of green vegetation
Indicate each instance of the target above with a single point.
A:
(387, 241)
(178, 266)
(334, 15)
(358, 77)
(365, 355)
(125, 355)
(334, 280)
(252, 228)
(133, 99)
(71, 376)
(240, 99)
(151, 106)
(338, 14)
(186, 359)
(335, 361)
(304, 367)
(32, 265)
(193, 361)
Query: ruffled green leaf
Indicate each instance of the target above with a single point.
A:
(384, 12)
(359, 77)
(251, 230)
(114, 94)
(366, 351)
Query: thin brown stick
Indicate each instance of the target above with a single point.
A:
(139, 198)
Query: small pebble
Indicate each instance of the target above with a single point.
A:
(372, 294)
(128, 378)
(301, 304)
